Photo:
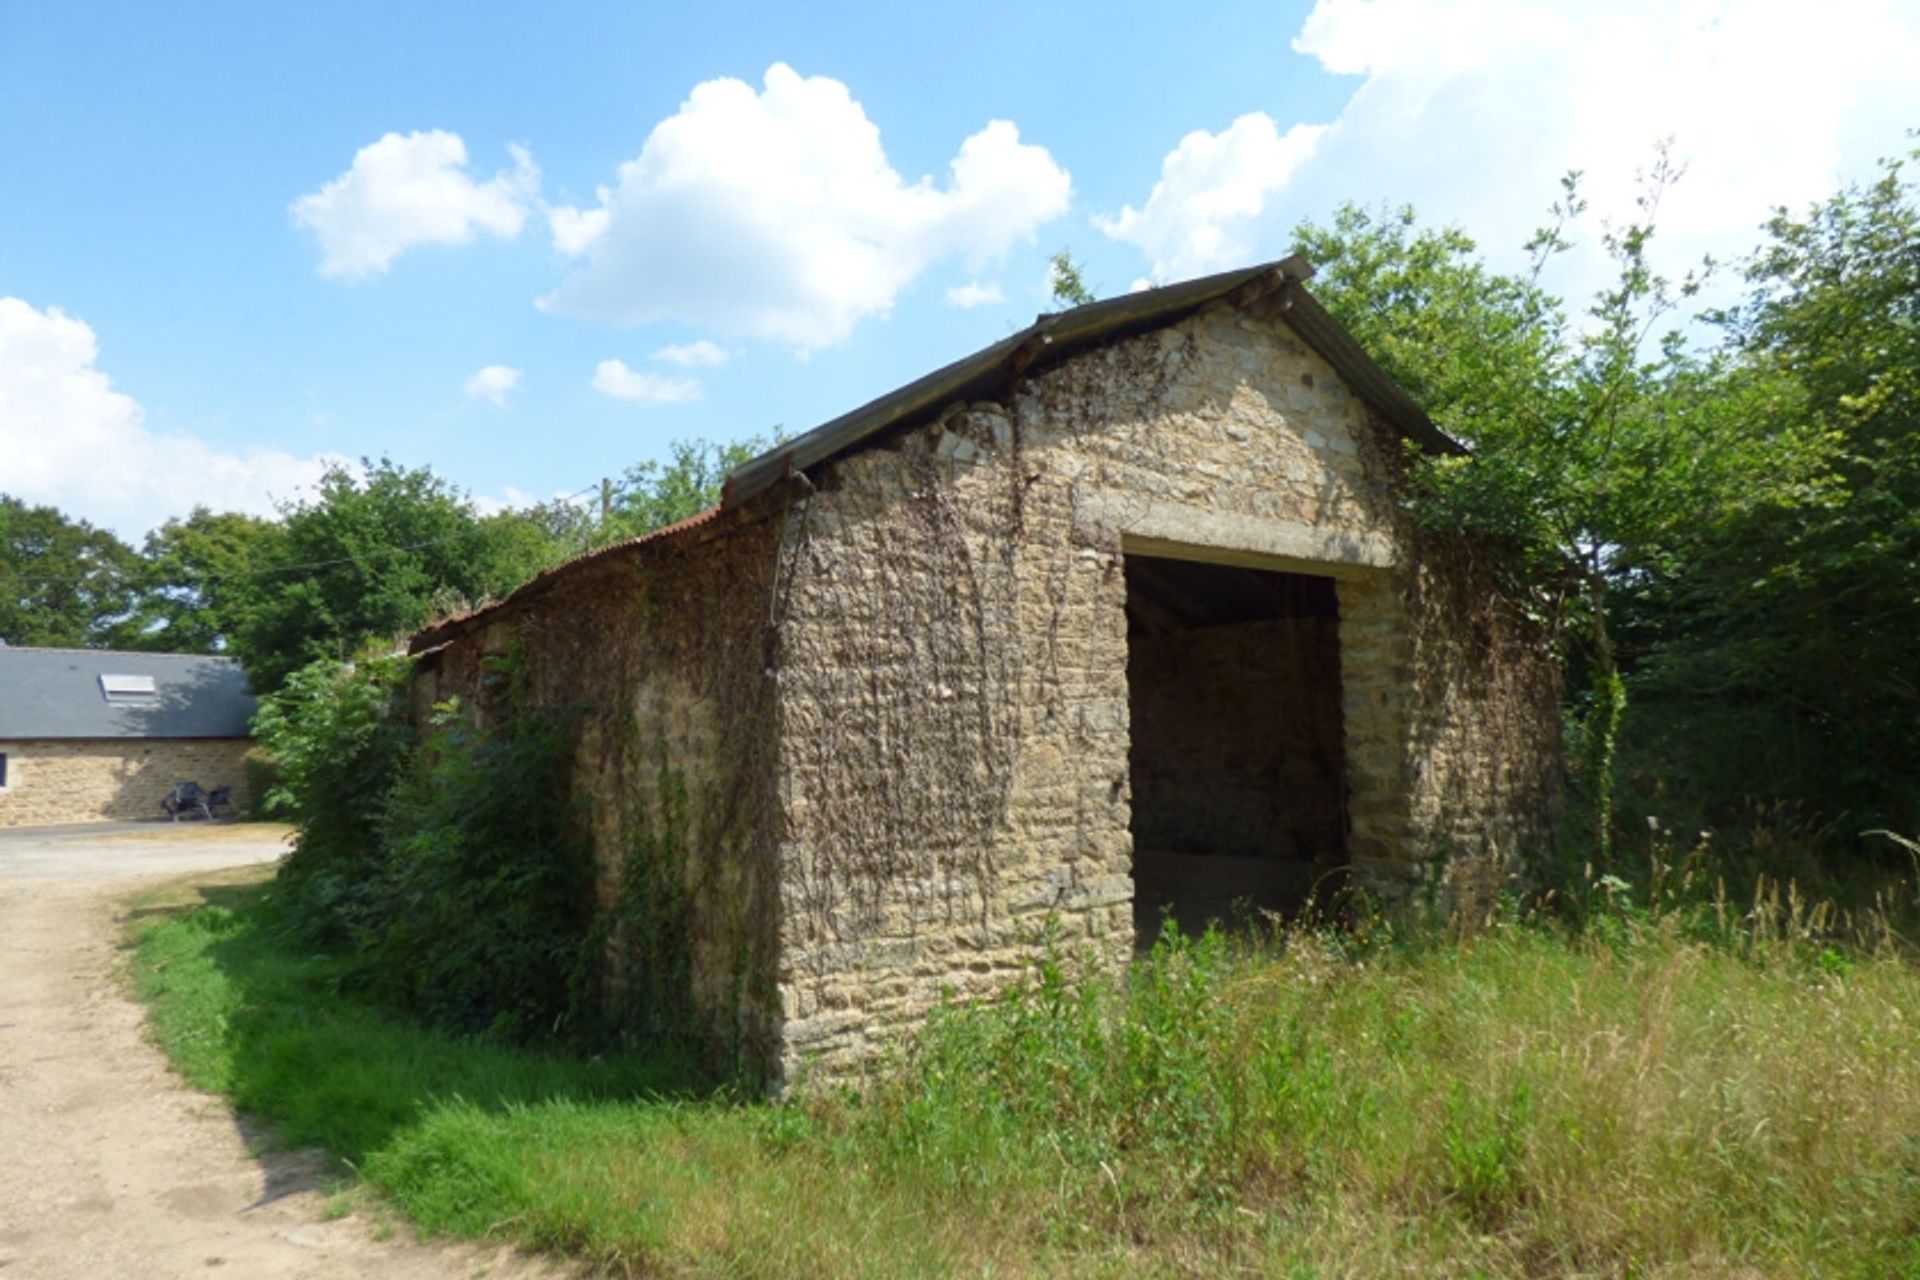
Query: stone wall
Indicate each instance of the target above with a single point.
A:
(1484, 736)
(1451, 697)
(955, 715)
(663, 650)
(954, 741)
(53, 781)
(1015, 516)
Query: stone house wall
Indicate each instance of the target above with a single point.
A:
(1483, 732)
(68, 780)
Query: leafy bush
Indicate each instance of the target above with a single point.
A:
(263, 779)
(486, 897)
(337, 732)
(448, 871)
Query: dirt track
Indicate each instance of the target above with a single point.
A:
(109, 1165)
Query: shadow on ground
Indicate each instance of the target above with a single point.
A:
(310, 1061)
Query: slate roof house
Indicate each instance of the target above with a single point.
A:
(1119, 616)
(92, 735)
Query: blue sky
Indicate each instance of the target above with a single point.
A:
(215, 275)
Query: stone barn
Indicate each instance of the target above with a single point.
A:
(94, 735)
(1119, 617)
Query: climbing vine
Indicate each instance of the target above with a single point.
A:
(637, 968)
(901, 686)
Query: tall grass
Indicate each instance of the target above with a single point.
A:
(1685, 1087)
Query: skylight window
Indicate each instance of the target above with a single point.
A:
(129, 688)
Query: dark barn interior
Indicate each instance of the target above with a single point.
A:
(1238, 778)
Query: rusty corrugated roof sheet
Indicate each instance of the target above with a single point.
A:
(434, 634)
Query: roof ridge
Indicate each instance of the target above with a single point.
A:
(119, 653)
(991, 371)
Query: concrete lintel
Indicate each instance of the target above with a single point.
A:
(1177, 531)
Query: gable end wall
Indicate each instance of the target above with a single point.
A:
(953, 667)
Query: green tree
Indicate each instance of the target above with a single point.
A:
(63, 583)
(1066, 281)
(1797, 626)
(375, 555)
(652, 495)
(1595, 446)
(199, 578)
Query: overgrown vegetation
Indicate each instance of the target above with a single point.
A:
(1720, 519)
(487, 892)
(1690, 1086)
(446, 874)
(339, 742)
(637, 964)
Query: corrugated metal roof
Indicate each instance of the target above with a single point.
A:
(435, 633)
(64, 693)
(987, 373)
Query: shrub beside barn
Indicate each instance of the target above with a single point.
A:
(1122, 616)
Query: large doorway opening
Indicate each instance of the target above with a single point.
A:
(1238, 769)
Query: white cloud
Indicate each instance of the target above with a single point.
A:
(1473, 110)
(574, 229)
(70, 440)
(614, 378)
(776, 215)
(492, 384)
(974, 294)
(411, 189)
(1204, 213)
(692, 355)
(509, 499)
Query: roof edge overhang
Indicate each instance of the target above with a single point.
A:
(245, 734)
(435, 635)
(990, 372)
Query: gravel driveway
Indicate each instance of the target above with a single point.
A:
(119, 850)
(112, 1166)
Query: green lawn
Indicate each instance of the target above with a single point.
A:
(1633, 1101)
